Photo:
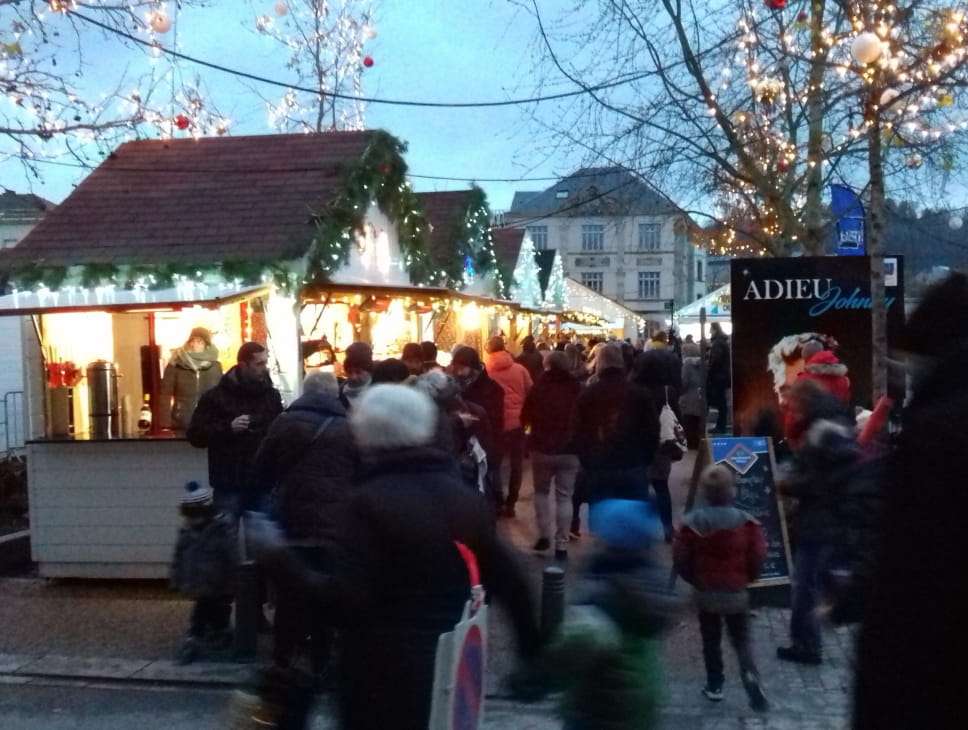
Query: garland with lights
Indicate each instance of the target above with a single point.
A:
(583, 318)
(475, 253)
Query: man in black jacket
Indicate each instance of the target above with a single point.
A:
(550, 409)
(617, 433)
(232, 419)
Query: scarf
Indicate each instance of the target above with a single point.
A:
(195, 361)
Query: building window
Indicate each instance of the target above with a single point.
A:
(592, 237)
(649, 236)
(594, 280)
(539, 236)
(649, 284)
(699, 271)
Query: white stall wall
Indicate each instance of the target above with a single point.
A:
(12, 402)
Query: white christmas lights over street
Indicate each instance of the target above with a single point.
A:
(866, 48)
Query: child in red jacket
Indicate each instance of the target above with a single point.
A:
(720, 550)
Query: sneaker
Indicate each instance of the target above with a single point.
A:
(561, 555)
(189, 651)
(798, 655)
(713, 694)
(755, 692)
(543, 544)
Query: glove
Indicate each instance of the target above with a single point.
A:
(263, 536)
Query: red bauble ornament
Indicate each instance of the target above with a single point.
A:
(775, 4)
(385, 169)
(182, 122)
(368, 61)
(802, 16)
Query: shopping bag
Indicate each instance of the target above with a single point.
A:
(458, 691)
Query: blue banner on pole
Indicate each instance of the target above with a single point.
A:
(849, 213)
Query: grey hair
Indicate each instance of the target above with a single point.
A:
(321, 382)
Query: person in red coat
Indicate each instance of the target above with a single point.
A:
(720, 550)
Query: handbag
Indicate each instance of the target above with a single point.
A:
(672, 437)
(458, 690)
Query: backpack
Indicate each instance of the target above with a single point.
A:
(672, 437)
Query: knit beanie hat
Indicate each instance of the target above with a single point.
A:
(201, 333)
(197, 495)
(625, 523)
(359, 356)
(393, 416)
(412, 351)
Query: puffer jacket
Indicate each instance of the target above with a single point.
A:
(311, 475)
(720, 551)
(514, 380)
(205, 559)
(230, 454)
(185, 379)
(691, 400)
(826, 369)
(550, 409)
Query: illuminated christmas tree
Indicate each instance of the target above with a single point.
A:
(525, 286)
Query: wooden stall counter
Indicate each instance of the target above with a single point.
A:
(108, 508)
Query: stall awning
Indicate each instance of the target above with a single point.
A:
(716, 304)
(111, 299)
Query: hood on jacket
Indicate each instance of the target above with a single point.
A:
(499, 360)
(825, 363)
(320, 402)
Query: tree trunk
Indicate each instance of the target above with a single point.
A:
(813, 240)
(875, 249)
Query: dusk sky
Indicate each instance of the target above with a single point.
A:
(425, 50)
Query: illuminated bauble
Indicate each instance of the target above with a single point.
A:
(802, 16)
(159, 21)
(888, 96)
(370, 33)
(866, 48)
(182, 122)
(955, 222)
(775, 4)
(282, 8)
(782, 165)
(368, 61)
(914, 160)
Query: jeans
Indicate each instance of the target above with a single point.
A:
(711, 629)
(563, 468)
(663, 504)
(210, 614)
(512, 445)
(809, 560)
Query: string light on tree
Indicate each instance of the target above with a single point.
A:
(159, 21)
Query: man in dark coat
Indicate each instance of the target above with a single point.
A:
(478, 387)
(530, 358)
(232, 419)
(309, 459)
(618, 431)
(909, 651)
(550, 409)
(718, 375)
(401, 580)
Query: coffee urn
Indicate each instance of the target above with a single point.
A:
(102, 389)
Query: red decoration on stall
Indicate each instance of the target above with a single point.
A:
(368, 61)
(182, 122)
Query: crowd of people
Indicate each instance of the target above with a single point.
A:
(376, 482)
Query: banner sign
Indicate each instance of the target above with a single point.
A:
(778, 305)
(848, 211)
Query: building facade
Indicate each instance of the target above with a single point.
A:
(617, 236)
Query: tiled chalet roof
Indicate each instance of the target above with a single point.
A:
(196, 201)
(446, 213)
(22, 205)
(594, 191)
(507, 245)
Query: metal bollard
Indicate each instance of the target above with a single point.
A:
(248, 610)
(552, 600)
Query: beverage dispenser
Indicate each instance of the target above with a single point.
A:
(102, 389)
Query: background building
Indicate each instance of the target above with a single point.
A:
(618, 237)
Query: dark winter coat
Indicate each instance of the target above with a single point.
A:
(551, 409)
(618, 424)
(909, 640)
(658, 366)
(719, 373)
(720, 551)
(311, 475)
(400, 582)
(532, 361)
(205, 559)
(230, 455)
(185, 379)
(486, 393)
(826, 369)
